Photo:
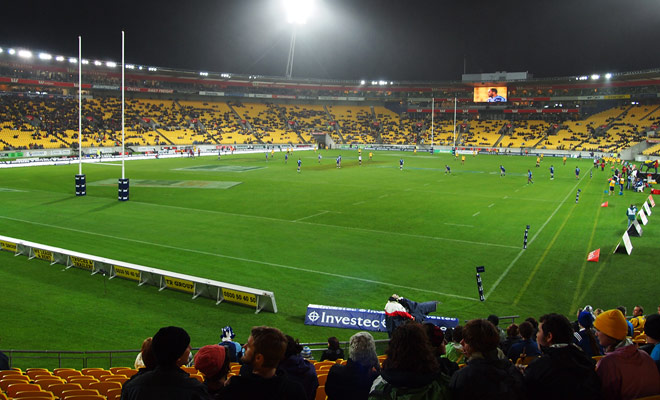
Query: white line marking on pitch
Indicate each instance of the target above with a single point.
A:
(491, 205)
(383, 196)
(467, 226)
(243, 259)
(311, 216)
(506, 271)
(477, 213)
(359, 202)
(505, 197)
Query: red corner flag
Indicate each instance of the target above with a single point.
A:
(594, 255)
(604, 204)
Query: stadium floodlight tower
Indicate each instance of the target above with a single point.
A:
(297, 13)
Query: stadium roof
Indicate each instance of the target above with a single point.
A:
(414, 40)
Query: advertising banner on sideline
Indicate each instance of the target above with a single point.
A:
(360, 319)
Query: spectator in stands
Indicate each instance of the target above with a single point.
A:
(437, 339)
(333, 352)
(146, 358)
(527, 347)
(213, 362)
(410, 368)
(298, 368)
(4, 361)
(353, 380)
(398, 310)
(563, 371)
(631, 329)
(264, 350)
(512, 337)
(306, 353)
(171, 348)
(652, 331)
(638, 319)
(625, 371)
(495, 320)
(585, 336)
(454, 348)
(485, 376)
(234, 349)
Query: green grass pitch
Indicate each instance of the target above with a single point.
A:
(343, 237)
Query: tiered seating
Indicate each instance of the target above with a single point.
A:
(653, 150)
(219, 121)
(267, 122)
(484, 133)
(356, 123)
(389, 123)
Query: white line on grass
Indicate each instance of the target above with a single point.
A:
(477, 213)
(359, 202)
(506, 271)
(106, 163)
(491, 205)
(311, 216)
(242, 259)
(467, 226)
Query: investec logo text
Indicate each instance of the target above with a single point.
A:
(346, 321)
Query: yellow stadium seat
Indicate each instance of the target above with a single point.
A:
(322, 378)
(77, 392)
(59, 388)
(9, 372)
(21, 387)
(320, 393)
(45, 382)
(4, 383)
(103, 387)
(34, 394)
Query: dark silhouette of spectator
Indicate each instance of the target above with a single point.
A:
(299, 369)
(625, 371)
(171, 348)
(486, 376)
(585, 336)
(264, 350)
(454, 348)
(652, 331)
(512, 336)
(437, 339)
(4, 361)
(495, 320)
(145, 359)
(410, 369)
(563, 371)
(334, 352)
(353, 381)
(213, 362)
(526, 346)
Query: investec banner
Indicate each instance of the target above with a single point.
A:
(360, 319)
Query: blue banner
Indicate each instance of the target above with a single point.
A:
(360, 319)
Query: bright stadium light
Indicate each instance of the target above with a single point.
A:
(362, 82)
(73, 60)
(608, 75)
(111, 64)
(130, 66)
(25, 53)
(595, 76)
(152, 69)
(298, 11)
(45, 56)
(1, 50)
(204, 74)
(59, 58)
(85, 62)
(98, 63)
(225, 75)
(11, 51)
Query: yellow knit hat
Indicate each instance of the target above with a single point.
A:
(612, 323)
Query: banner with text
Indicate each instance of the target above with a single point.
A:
(360, 319)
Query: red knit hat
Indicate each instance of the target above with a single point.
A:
(210, 359)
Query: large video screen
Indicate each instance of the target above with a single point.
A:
(490, 94)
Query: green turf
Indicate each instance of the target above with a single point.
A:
(343, 237)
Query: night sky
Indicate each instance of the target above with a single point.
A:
(349, 39)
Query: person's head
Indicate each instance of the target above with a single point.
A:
(652, 328)
(148, 357)
(623, 310)
(333, 343)
(265, 348)
(599, 311)
(512, 331)
(493, 319)
(526, 330)
(554, 329)
(457, 334)
(638, 311)
(171, 346)
(612, 327)
(436, 337)
(586, 319)
(479, 335)
(213, 362)
(306, 353)
(492, 92)
(227, 334)
(362, 349)
(292, 347)
(409, 350)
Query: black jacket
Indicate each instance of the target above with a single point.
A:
(254, 387)
(562, 373)
(163, 383)
(487, 378)
(349, 382)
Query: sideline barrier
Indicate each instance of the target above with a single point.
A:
(219, 291)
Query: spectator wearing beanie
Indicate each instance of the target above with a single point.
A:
(585, 337)
(171, 348)
(625, 371)
(213, 362)
(652, 331)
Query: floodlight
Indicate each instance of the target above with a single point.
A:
(391, 83)
(45, 56)
(225, 75)
(1, 50)
(130, 66)
(59, 58)
(11, 51)
(140, 68)
(25, 53)
(595, 76)
(110, 64)
(298, 11)
(152, 69)
(204, 73)
(374, 82)
(362, 82)
(98, 63)
(73, 60)
(85, 62)
(608, 75)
